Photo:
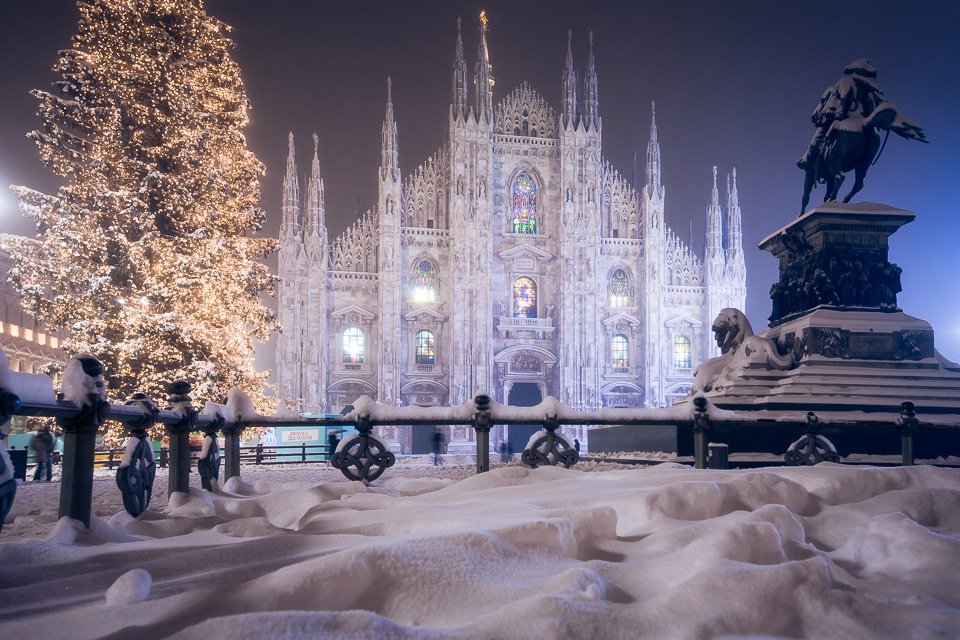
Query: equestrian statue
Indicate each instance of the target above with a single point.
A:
(847, 119)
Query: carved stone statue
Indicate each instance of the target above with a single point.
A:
(741, 349)
(846, 139)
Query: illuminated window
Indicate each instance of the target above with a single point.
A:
(426, 348)
(425, 282)
(353, 346)
(524, 298)
(620, 351)
(524, 195)
(618, 289)
(681, 352)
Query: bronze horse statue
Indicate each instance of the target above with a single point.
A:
(848, 118)
(853, 144)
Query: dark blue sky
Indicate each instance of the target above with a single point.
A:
(734, 83)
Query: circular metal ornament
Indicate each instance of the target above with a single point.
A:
(362, 458)
(549, 449)
(136, 480)
(809, 450)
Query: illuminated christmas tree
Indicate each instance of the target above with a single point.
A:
(145, 252)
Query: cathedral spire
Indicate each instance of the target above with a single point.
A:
(569, 114)
(389, 163)
(483, 77)
(291, 193)
(459, 79)
(315, 214)
(735, 262)
(653, 152)
(714, 250)
(591, 113)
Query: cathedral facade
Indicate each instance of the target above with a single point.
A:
(514, 260)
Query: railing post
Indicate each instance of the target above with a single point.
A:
(481, 422)
(79, 448)
(179, 435)
(907, 425)
(701, 424)
(231, 451)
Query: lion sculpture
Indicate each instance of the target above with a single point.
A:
(740, 349)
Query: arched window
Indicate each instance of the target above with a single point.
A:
(681, 352)
(424, 282)
(426, 347)
(353, 346)
(620, 351)
(618, 289)
(524, 298)
(524, 196)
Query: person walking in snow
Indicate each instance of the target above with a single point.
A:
(42, 445)
(437, 448)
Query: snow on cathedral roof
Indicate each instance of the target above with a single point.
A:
(525, 113)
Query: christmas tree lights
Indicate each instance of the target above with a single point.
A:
(145, 254)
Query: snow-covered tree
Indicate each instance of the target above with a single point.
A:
(145, 252)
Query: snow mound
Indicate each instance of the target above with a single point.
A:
(130, 588)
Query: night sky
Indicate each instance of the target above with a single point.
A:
(734, 83)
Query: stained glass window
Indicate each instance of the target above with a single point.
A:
(619, 289)
(353, 346)
(426, 347)
(524, 298)
(620, 351)
(681, 352)
(524, 194)
(425, 282)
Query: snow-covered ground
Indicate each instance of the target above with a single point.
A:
(650, 552)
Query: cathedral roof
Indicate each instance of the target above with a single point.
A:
(525, 113)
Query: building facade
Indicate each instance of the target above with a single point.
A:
(514, 260)
(27, 345)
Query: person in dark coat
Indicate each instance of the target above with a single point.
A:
(42, 445)
(333, 441)
(576, 445)
(437, 448)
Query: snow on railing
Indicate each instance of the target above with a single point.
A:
(83, 407)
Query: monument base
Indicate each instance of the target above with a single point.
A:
(849, 361)
(837, 343)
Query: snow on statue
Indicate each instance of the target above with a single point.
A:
(847, 119)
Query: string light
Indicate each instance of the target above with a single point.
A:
(145, 253)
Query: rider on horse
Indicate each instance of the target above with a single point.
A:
(855, 94)
(847, 119)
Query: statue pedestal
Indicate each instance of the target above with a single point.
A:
(835, 255)
(836, 322)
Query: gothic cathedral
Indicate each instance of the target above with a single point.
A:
(514, 260)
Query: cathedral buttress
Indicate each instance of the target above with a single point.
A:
(290, 345)
(657, 351)
(316, 307)
(388, 260)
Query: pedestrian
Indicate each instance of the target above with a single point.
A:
(437, 448)
(576, 445)
(42, 445)
(333, 441)
(502, 450)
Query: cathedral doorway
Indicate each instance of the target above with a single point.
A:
(523, 394)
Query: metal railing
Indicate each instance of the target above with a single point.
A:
(362, 456)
